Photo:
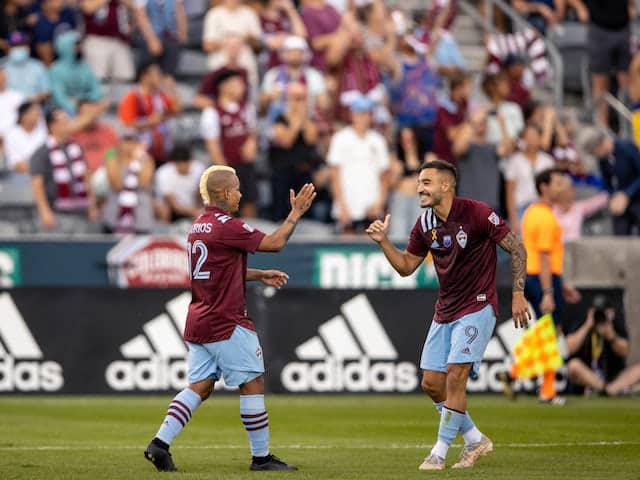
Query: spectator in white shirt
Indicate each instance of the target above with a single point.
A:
(295, 55)
(496, 88)
(10, 100)
(177, 183)
(24, 138)
(229, 19)
(520, 171)
(359, 161)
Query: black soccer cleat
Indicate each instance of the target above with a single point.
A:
(270, 462)
(160, 457)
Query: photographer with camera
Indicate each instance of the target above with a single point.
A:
(598, 350)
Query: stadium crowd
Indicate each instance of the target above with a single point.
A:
(352, 95)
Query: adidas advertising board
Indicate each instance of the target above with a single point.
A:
(23, 367)
(96, 341)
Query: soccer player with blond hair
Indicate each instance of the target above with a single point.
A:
(221, 337)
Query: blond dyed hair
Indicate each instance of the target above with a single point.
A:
(204, 191)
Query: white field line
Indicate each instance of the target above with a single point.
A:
(392, 446)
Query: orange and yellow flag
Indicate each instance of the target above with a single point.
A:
(536, 351)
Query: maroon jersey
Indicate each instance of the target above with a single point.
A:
(218, 246)
(464, 254)
(110, 20)
(234, 132)
(449, 115)
(271, 27)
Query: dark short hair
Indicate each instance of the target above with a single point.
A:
(458, 79)
(24, 108)
(180, 152)
(50, 115)
(144, 68)
(442, 166)
(490, 80)
(545, 176)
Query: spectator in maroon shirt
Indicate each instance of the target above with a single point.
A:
(514, 66)
(229, 131)
(279, 19)
(329, 34)
(106, 45)
(452, 112)
(208, 90)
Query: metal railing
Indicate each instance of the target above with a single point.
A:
(615, 104)
(521, 24)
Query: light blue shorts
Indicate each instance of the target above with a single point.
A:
(461, 341)
(237, 360)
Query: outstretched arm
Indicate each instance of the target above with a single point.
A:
(299, 205)
(519, 306)
(274, 278)
(404, 263)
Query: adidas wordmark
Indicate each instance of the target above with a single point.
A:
(351, 353)
(21, 366)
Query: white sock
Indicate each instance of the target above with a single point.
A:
(472, 436)
(440, 449)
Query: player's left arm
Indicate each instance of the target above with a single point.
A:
(274, 278)
(519, 305)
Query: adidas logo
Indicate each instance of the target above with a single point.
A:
(156, 358)
(352, 352)
(21, 365)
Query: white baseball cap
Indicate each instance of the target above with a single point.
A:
(295, 43)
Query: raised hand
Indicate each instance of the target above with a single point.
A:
(378, 230)
(302, 202)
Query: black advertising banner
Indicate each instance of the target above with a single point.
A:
(95, 341)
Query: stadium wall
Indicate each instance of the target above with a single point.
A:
(610, 262)
(127, 341)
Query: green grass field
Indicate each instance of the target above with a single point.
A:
(363, 437)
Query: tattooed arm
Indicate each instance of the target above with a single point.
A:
(519, 305)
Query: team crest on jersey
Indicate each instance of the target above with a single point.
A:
(248, 228)
(494, 218)
(461, 237)
(446, 240)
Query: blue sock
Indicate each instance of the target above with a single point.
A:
(450, 422)
(180, 411)
(468, 429)
(256, 423)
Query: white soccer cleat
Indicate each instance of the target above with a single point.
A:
(432, 462)
(472, 452)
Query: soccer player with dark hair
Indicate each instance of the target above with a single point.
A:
(461, 235)
(221, 337)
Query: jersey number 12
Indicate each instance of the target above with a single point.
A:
(196, 274)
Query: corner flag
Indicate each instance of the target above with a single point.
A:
(537, 350)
